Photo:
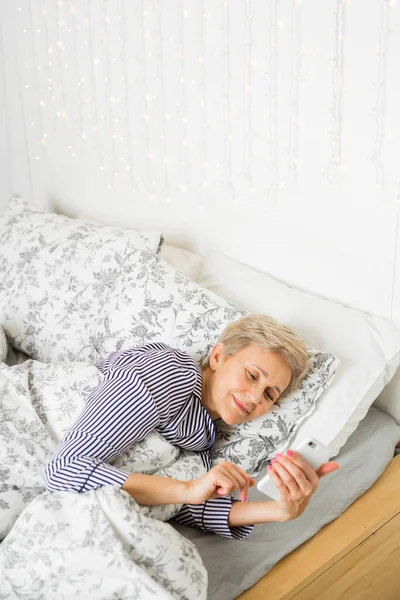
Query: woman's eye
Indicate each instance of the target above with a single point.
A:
(255, 378)
(252, 377)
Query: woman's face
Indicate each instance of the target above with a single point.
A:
(246, 385)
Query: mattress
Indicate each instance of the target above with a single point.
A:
(234, 566)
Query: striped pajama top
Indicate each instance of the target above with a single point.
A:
(150, 388)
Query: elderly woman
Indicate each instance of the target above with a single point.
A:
(255, 362)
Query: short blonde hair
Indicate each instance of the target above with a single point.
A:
(266, 332)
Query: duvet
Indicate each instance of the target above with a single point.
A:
(100, 544)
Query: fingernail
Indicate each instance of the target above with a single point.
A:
(273, 461)
(245, 499)
(289, 452)
(269, 468)
(278, 455)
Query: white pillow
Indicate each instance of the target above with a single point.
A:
(188, 263)
(389, 400)
(367, 346)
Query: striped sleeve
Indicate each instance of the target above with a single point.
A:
(212, 515)
(119, 412)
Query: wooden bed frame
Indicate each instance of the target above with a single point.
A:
(356, 557)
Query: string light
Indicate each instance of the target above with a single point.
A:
(107, 21)
(202, 98)
(380, 101)
(332, 170)
(23, 113)
(48, 52)
(6, 120)
(36, 79)
(274, 188)
(227, 100)
(129, 167)
(60, 65)
(78, 83)
(293, 141)
(92, 61)
(182, 95)
(144, 36)
(48, 80)
(247, 109)
(164, 160)
(95, 61)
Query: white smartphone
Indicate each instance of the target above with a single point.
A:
(315, 453)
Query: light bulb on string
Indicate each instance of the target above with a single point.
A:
(272, 164)
(202, 104)
(294, 97)
(379, 83)
(333, 170)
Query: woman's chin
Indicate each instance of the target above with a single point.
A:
(232, 420)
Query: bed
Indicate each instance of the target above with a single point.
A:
(352, 549)
(346, 544)
(353, 544)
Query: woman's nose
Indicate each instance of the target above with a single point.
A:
(253, 397)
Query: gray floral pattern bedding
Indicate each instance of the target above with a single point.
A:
(73, 291)
(70, 293)
(3, 345)
(96, 545)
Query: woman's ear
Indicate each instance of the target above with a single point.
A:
(216, 356)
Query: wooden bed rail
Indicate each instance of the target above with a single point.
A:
(356, 557)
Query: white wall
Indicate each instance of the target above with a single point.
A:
(220, 123)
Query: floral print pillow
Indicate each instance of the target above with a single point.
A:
(3, 345)
(52, 266)
(73, 291)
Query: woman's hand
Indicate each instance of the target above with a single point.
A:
(296, 481)
(222, 479)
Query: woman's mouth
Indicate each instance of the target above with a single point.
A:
(240, 406)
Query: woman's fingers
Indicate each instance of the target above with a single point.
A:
(234, 478)
(276, 478)
(305, 468)
(289, 482)
(238, 479)
(326, 468)
(249, 482)
(296, 481)
(293, 476)
(301, 470)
